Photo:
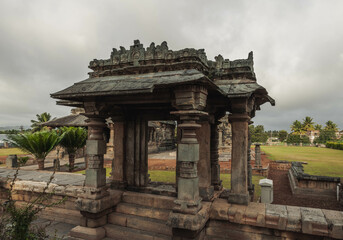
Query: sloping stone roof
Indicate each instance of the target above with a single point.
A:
(73, 120)
(130, 84)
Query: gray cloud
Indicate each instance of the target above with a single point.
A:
(46, 46)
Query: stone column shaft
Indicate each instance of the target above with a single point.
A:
(215, 167)
(239, 171)
(96, 148)
(258, 155)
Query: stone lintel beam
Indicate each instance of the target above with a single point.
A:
(239, 172)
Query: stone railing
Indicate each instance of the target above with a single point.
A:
(280, 165)
(302, 183)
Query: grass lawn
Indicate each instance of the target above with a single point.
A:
(169, 177)
(321, 161)
(9, 151)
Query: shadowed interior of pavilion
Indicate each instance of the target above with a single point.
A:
(138, 85)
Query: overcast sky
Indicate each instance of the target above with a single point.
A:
(45, 46)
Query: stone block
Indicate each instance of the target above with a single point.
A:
(188, 152)
(335, 221)
(206, 193)
(88, 233)
(126, 208)
(190, 221)
(237, 213)
(96, 147)
(313, 221)
(94, 223)
(293, 219)
(255, 214)
(95, 177)
(95, 205)
(149, 200)
(276, 216)
(119, 232)
(220, 209)
(149, 224)
(237, 198)
(117, 219)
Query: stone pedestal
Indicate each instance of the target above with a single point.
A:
(258, 162)
(239, 171)
(12, 161)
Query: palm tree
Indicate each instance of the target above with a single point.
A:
(330, 125)
(308, 124)
(39, 144)
(73, 139)
(318, 127)
(41, 118)
(297, 128)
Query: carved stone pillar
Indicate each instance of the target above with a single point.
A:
(94, 202)
(250, 185)
(188, 216)
(239, 171)
(110, 144)
(118, 174)
(258, 163)
(96, 148)
(215, 167)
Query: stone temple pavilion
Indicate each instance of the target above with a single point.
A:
(138, 85)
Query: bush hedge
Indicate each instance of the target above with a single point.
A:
(335, 145)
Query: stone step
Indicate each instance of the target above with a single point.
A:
(125, 233)
(143, 211)
(149, 200)
(140, 223)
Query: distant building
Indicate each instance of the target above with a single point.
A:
(312, 134)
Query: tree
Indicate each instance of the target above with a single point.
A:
(297, 128)
(297, 139)
(258, 134)
(325, 136)
(73, 139)
(318, 127)
(39, 144)
(41, 118)
(308, 124)
(282, 135)
(331, 126)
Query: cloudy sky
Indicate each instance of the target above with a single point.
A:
(45, 46)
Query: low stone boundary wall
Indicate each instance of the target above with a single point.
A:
(27, 191)
(302, 183)
(271, 221)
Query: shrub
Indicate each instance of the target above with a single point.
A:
(15, 221)
(335, 145)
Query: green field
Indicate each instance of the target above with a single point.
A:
(9, 151)
(169, 177)
(321, 161)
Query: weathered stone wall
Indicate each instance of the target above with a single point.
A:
(302, 183)
(28, 191)
(226, 221)
(271, 221)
